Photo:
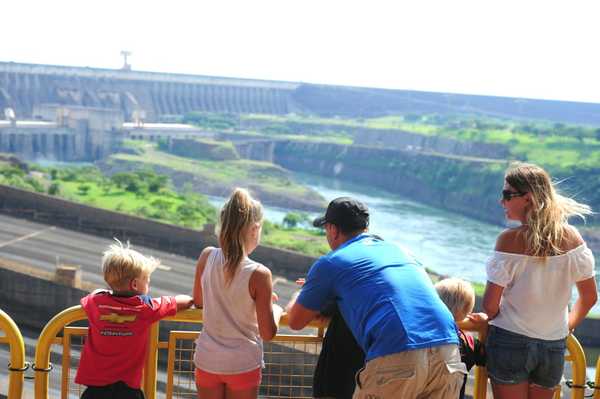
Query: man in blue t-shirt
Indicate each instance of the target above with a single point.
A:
(388, 301)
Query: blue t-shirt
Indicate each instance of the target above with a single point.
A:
(385, 296)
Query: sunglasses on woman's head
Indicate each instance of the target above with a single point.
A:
(507, 195)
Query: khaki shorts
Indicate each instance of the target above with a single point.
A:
(433, 373)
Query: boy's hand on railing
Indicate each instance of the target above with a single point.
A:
(184, 301)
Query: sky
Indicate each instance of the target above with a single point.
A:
(526, 48)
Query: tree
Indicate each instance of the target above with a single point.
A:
(84, 189)
(54, 189)
(293, 220)
(161, 204)
(156, 182)
(122, 179)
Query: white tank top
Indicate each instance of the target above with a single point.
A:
(229, 342)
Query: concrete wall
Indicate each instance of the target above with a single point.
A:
(32, 301)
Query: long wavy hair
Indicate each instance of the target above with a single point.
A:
(238, 214)
(548, 215)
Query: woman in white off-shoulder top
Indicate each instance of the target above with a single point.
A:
(530, 279)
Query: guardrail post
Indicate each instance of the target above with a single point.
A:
(579, 364)
(151, 369)
(17, 363)
(42, 366)
(597, 380)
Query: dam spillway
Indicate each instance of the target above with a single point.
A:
(23, 86)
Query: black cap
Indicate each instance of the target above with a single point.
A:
(346, 213)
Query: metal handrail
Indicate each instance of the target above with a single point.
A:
(49, 335)
(54, 327)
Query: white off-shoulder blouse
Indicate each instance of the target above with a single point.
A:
(537, 290)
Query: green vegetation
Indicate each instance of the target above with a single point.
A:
(147, 194)
(271, 178)
(142, 193)
(14, 176)
(307, 241)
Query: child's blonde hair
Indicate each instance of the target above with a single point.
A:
(237, 215)
(458, 295)
(121, 264)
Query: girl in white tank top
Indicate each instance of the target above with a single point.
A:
(236, 296)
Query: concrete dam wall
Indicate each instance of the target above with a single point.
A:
(23, 86)
(160, 96)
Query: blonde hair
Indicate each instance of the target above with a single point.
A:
(121, 264)
(237, 216)
(548, 217)
(458, 295)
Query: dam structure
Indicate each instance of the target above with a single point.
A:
(147, 95)
(159, 97)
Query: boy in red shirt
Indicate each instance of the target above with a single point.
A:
(116, 347)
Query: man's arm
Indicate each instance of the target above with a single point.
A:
(298, 315)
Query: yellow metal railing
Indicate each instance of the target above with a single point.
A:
(597, 381)
(17, 365)
(576, 357)
(480, 386)
(289, 360)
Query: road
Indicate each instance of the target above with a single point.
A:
(43, 246)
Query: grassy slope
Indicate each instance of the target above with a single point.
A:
(272, 178)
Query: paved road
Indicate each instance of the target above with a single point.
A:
(44, 246)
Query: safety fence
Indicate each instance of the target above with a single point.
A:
(290, 360)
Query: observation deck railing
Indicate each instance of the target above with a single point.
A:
(289, 359)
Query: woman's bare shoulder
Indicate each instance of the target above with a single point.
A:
(571, 238)
(512, 241)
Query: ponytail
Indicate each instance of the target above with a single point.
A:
(237, 215)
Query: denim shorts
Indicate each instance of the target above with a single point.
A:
(514, 358)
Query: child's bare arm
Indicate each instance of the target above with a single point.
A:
(184, 302)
